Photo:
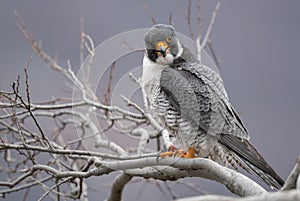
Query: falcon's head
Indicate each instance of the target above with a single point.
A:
(162, 45)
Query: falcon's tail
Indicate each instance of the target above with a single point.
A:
(252, 159)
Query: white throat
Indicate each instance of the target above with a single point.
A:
(151, 71)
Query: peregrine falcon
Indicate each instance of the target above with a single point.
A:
(190, 101)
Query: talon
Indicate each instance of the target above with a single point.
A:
(180, 153)
(167, 154)
(158, 156)
(172, 148)
(175, 153)
(191, 153)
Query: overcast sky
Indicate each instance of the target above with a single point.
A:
(256, 40)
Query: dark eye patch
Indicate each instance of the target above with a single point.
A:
(152, 54)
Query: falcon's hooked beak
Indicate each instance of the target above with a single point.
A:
(162, 49)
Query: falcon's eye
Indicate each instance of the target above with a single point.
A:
(169, 39)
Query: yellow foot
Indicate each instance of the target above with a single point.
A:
(179, 153)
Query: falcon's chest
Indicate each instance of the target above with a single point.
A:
(151, 79)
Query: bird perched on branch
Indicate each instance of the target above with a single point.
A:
(190, 100)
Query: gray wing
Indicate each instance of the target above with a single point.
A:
(198, 94)
(256, 162)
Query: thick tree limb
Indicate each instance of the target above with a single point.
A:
(234, 181)
(291, 182)
(293, 195)
(118, 186)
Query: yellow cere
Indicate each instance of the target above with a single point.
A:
(164, 45)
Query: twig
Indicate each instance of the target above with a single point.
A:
(170, 18)
(24, 186)
(33, 117)
(26, 81)
(52, 188)
(36, 47)
(215, 58)
(291, 181)
(134, 79)
(170, 190)
(211, 24)
(149, 13)
(198, 39)
(81, 40)
(15, 87)
(130, 47)
(199, 18)
(130, 103)
(187, 15)
(193, 186)
(108, 88)
(90, 47)
(72, 152)
(144, 138)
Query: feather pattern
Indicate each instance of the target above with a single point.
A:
(193, 104)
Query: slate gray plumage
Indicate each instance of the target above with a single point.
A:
(190, 100)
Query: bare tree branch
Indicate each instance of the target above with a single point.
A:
(188, 15)
(293, 195)
(72, 152)
(150, 14)
(291, 181)
(118, 186)
(214, 56)
(211, 24)
(107, 93)
(234, 181)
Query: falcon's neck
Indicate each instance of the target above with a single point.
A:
(151, 71)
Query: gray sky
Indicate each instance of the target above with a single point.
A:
(257, 41)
